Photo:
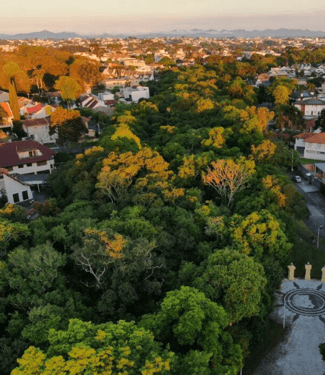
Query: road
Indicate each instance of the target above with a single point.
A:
(316, 205)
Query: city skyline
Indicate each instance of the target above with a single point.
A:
(126, 16)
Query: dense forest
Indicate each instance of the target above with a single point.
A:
(161, 248)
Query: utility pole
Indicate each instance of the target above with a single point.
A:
(320, 227)
(291, 152)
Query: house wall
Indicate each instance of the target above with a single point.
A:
(40, 133)
(136, 94)
(2, 183)
(34, 168)
(314, 151)
(311, 110)
(299, 142)
(12, 187)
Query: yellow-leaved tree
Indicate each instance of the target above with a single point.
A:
(260, 234)
(121, 171)
(271, 184)
(263, 152)
(107, 349)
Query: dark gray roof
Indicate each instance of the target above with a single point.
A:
(310, 102)
(320, 166)
(32, 178)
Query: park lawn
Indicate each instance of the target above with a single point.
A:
(303, 252)
(259, 351)
(308, 161)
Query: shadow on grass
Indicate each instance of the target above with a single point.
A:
(258, 352)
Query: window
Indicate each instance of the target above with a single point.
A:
(16, 197)
(39, 163)
(25, 195)
(29, 164)
(21, 166)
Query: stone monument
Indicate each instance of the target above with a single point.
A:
(308, 269)
(323, 275)
(291, 275)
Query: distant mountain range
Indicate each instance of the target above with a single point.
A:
(176, 33)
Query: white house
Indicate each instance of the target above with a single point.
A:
(107, 95)
(136, 93)
(310, 107)
(26, 157)
(15, 190)
(310, 145)
(91, 102)
(39, 130)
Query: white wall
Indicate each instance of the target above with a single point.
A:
(34, 168)
(136, 94)
(314, 151)
(40, 133)
(299, 142)
(12, 187)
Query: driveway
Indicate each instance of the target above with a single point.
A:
(303, 304)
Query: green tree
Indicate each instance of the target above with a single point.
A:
(194, 326)
(70, 130)
(234, 280)
(320, 122)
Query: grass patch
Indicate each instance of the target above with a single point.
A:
(304, 252)
(272, 336)
(308, 161)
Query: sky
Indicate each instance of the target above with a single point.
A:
(130, 16)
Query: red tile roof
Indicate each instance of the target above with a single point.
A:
(9, 153)
(34, 109)
(304, 135)
(36, 122)
(110, 102)
(7, 108)
(317, 138)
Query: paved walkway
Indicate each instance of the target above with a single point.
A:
(303, 303)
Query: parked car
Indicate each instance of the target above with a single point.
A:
(297, 179)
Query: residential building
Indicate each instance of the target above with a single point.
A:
(14, 190)
(7, 121)
(39, 130)
(26, 157)
(310, 145)
(136, 93)
(4, 96)
(310, 107)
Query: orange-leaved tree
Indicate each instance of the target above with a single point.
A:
(228, 177)
(62, 115)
